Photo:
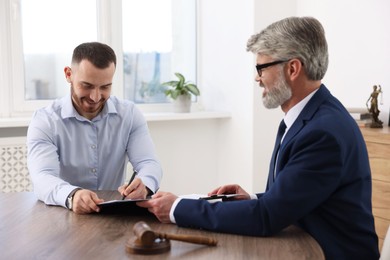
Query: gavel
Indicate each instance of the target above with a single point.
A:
(146, 236)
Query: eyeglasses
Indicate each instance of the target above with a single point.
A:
(260, 67)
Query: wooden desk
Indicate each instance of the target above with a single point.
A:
(31, 230)
(378, 146)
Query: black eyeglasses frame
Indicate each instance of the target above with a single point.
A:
(260, 67)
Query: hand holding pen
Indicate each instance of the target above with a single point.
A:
(130, 181)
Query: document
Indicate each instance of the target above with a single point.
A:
(125, 201)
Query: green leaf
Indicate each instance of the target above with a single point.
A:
(175, 93)
(193, 89)
(181, 80)
(172, 83)
(180, 76)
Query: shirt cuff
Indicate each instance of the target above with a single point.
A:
(253, 196)
(171, 215)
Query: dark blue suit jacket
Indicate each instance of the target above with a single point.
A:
(322, 184)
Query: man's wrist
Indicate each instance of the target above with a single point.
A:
(69, 199)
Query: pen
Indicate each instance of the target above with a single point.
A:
(131, 179)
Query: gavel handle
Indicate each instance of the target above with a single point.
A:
(190, 239)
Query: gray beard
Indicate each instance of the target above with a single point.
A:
(278, 94)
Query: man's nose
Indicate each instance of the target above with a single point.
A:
(95, 95)
(257, 78)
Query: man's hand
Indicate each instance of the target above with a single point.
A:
(160, 205)
(136, 190)
(85, 201)
(231, 189)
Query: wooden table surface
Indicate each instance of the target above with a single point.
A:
(29, 229)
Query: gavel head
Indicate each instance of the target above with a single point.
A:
(144, 233)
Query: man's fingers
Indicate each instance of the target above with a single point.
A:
(86, 202)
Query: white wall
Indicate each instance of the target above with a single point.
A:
(225, 71)
(237, 150)
(187, 150)
(359, 55)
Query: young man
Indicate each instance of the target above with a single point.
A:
(82, 142)
(319, 178)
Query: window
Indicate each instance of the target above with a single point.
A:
(153, 39)
(50, 31)
(158, 40)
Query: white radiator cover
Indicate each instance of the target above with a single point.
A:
(14, 176)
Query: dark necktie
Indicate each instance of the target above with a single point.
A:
(282, 128)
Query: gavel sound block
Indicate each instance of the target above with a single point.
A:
(147, 241)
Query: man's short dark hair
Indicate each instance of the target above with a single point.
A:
(99, 54)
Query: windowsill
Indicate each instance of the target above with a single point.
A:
(150, 117)
(170, 116)
(14, 122)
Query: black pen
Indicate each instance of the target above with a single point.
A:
(130, 181)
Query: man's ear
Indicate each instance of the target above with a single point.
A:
(294, 68)
(68, 74)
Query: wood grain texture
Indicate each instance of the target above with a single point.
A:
(30, 229)
(378, 146)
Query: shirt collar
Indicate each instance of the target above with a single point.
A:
(69, 111)
(294, 112)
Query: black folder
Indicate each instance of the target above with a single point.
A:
(127, 206)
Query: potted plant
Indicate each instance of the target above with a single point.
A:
(180, 91)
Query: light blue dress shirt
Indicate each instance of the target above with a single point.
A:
(66, 150)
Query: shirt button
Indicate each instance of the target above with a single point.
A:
(93, 170)
(93, 146)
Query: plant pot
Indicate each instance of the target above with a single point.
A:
(182, 104)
